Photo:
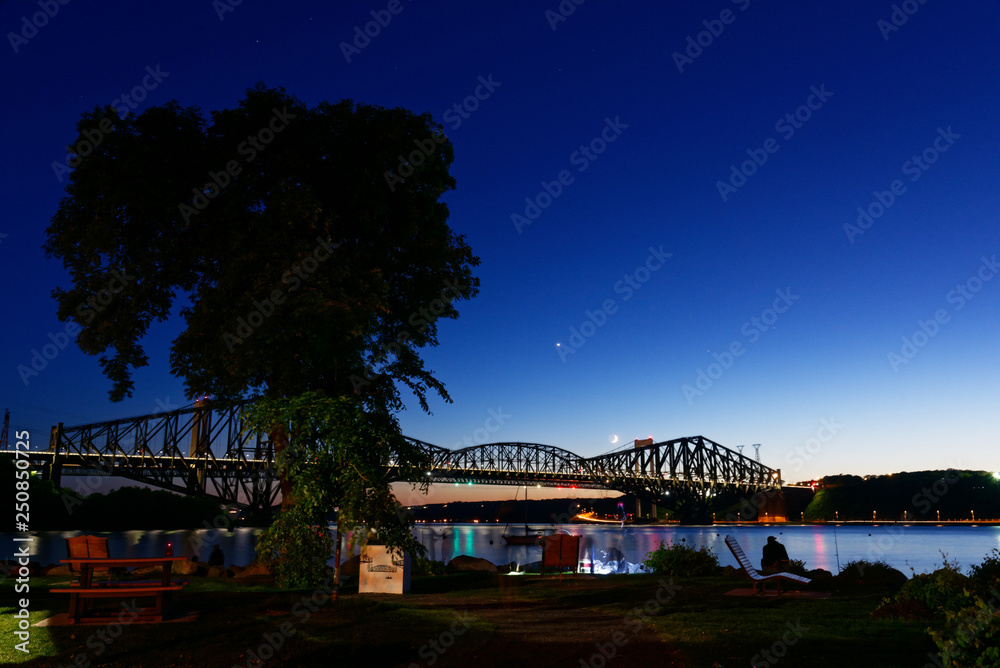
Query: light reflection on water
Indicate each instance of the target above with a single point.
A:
(901, 546)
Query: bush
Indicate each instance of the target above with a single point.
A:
(423, 566)
(869, 572)
(296, 549)
(986, 576)
(970, 636)
(682, 560)
(796, 567)
(943, 590)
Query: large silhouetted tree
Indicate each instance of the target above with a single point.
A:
(306, 248)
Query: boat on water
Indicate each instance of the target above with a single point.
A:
(523, 539)
(530, 536)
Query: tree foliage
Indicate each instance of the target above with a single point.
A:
(297, 265)
(338, 454)
(310, 257)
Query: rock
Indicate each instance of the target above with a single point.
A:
(351, 567)
(61, 569)
(217, 572)
(256, 568)
(236, 569)
(730, 572)
(464, 563)
(185, 568)
(150, 570)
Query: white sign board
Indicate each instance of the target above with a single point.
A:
(383, 572)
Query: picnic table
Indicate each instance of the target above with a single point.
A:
(87, 589)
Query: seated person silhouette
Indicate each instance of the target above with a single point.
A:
(775, 556)
(217, 558)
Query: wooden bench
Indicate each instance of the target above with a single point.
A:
(128, 583)
(83, 594)
(754, 575)
(79, 595)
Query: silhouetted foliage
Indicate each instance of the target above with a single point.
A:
(918, 494)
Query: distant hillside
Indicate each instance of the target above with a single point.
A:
(920, 495)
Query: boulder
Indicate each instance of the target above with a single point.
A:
(256, 568)
(730, 572)
(217, 572)
(185, 568)
(60, 569)
(465, 563)
(236, 569)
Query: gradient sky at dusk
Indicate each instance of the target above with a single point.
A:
(641, 139)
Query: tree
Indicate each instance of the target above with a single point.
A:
(306, 248)
(309, 246)
(339, 455)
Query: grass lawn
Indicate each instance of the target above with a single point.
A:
(481, 620)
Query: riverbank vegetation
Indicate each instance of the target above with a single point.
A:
(917, 495)
(63, 509)
(487, 620)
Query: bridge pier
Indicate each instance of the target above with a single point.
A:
(53, 471)
(199, 441)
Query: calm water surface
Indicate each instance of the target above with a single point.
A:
(904, 547)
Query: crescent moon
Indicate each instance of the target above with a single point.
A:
(613, 438)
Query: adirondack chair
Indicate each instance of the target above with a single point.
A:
(82, 547)
(560, 552)
(755, 575)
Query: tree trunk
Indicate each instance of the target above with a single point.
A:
(336, 559)
(279, 439)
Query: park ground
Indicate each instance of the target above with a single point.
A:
(481, 620)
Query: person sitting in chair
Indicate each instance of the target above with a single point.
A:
(775, 556)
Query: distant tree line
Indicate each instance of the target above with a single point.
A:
(54, 509)
(917, 495)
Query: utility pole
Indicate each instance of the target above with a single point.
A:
(6, 429)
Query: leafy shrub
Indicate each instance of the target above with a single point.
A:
(422, 566)
(986, 576)
(795, 566)
(943, 590)
(869, 572)
(682, 560)
(970, 636)
(295, 550)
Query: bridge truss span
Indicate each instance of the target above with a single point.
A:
(514, 464)
(206, 450)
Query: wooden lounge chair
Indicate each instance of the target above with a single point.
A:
(754, 575)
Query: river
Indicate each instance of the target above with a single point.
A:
(909, 548)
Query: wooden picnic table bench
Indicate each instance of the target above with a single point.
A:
(86, 589)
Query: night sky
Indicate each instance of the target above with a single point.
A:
(762, 224)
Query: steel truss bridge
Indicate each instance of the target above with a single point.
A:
(204, 450)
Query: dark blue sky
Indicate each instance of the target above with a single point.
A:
(654, 291)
